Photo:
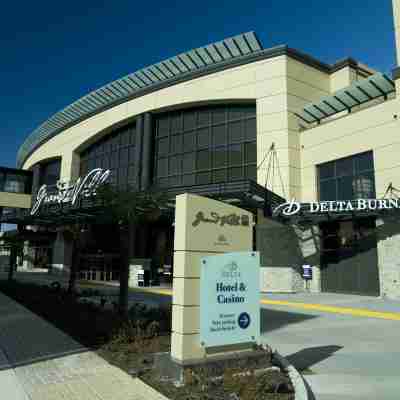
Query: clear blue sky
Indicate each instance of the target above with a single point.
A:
(52, 53)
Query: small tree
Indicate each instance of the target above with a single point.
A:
(72, 232)
(128, 209)
(14, 240)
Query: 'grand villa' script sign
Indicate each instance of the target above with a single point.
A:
(70, 193)
(293, 207)
(231, 219)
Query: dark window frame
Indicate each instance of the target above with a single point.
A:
(350, 175)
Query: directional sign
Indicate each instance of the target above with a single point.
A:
(230, 299)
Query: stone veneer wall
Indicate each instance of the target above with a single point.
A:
(388, 238)
(283, 250)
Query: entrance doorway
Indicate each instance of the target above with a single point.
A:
(349, 261)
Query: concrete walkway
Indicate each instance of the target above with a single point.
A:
(40, 362)
(344, 356)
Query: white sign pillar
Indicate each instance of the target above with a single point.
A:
(203, 227)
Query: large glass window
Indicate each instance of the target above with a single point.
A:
(209, 144)
(50, 172)
(347, 178)
(15, 182)
(117, 152)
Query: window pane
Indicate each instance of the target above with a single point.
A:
(364, 186)
(123, 174)
(189, 120)
(345, 188)
(251, 172)
(176, 122)
(235, 154)
(364, 162)
(163, 182)
(106, 161)
(174, 165)
(188, 179)
(175, 180)
(203, 178)
(175, 144)
(132, 136)
(188, 164)
(218, 134)
(344, 167)
(327, 190)
(251, 152)
(218, 115)
(131, 173)
(113, 160)
(249, 111)
(235, 131)
(189, 141)
(219, 157)
(203, 117)
(203, 160)
(235, 173)
(124, 138)
(123, 156)
(203, 138)
(162, 166)
(131, 150)
(219, 175)
(114, 142)
(250, 128)
(163, 146)
(163, 126)
(327, 170)
(235, 113)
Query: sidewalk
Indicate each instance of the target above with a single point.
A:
(40, 362)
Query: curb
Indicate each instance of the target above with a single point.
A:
(299, 385)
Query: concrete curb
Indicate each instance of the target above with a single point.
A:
(299, 385)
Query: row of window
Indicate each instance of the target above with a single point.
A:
(213, 176)
(234, 155)
(234, 132)
(187, 120)
(15, 183)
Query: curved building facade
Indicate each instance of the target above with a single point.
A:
(230, 112)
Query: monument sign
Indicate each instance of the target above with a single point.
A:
(203, 227)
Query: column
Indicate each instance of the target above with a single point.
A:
(62, 255)
(147, 160)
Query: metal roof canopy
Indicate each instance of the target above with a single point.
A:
(243, 193)
(357, 93)
(203, 58)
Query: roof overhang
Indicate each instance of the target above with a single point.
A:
(359, 92)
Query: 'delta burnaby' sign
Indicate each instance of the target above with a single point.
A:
(293, 207)
(230, 299)
(70, 193)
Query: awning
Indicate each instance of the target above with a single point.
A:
(357, 93)
(243, 193)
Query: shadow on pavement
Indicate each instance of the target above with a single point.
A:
(306, 358)
(26, 338)
(273, 319)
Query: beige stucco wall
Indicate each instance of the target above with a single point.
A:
(374, 128)
(258, 80)
(15, 200)
(280, 86)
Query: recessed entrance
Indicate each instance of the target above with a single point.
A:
(349, 257)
